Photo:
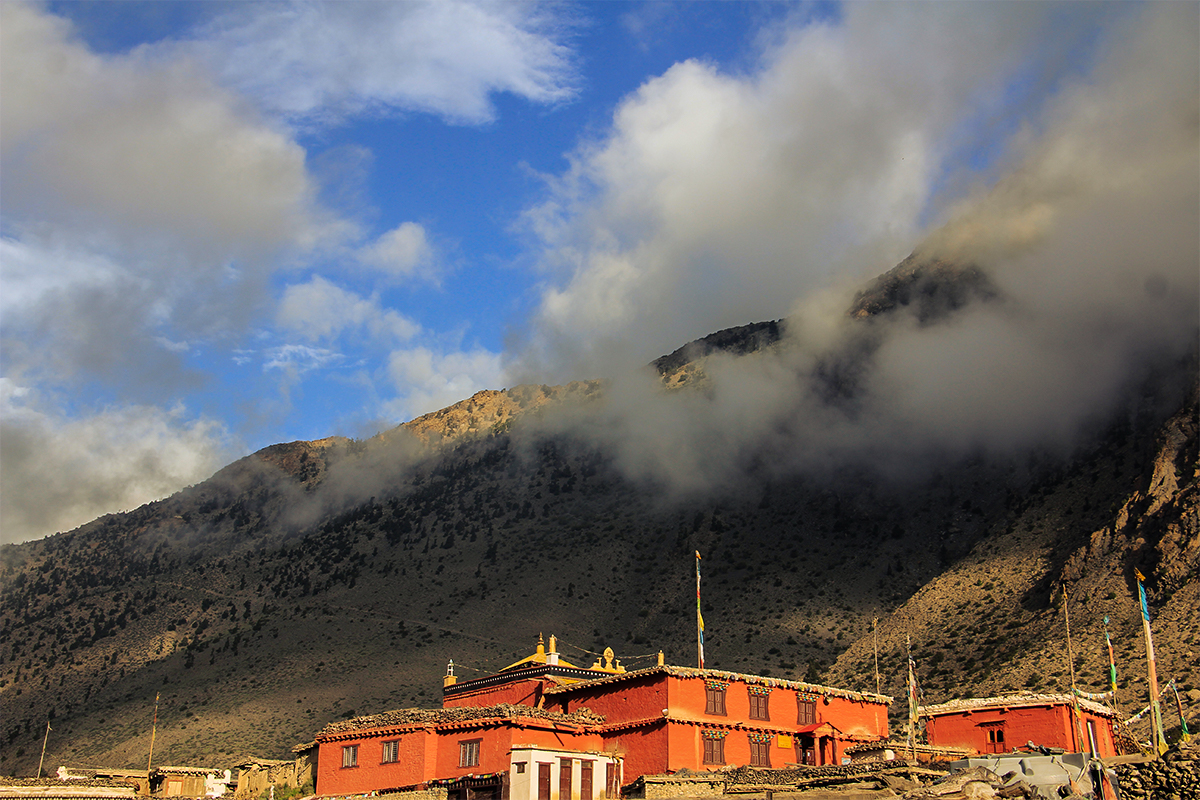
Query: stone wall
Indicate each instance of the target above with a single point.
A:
(1175, 776)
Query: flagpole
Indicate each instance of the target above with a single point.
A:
(699, 619)
(1078, 726)
(153, 730)
(44, 741)
(1112, 666)
(1159, 739)
(1185, 736)
(912, 699)
(875, 632)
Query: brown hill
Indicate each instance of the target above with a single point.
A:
(314, 581)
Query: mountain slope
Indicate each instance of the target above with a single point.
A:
(315, 580)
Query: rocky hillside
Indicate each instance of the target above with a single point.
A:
(316, 581)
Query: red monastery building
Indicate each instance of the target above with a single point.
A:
(546, 729)
(1002, 724)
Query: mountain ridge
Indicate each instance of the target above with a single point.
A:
(312, 581)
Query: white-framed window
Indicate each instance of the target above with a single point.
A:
(349, 755)
(468, 753)
(391, 752)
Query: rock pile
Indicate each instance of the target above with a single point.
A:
(436, 716)
(1175, 776)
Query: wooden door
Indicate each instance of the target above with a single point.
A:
(564, 779)
(543, 781)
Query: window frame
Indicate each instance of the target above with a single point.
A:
(468, 753)
(390, 748)
(714, 701)
(760, 754)
(714, 751)
(349, 756)
(760, 706)
(806, 712)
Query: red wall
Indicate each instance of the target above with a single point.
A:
(1050, 726)
(662, 748)
(519, 693)
(431, 753)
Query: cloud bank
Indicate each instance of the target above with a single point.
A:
(715, 193)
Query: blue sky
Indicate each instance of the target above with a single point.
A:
(226, 225)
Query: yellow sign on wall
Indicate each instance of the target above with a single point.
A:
(784, 740)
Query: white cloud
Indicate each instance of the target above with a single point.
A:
(719, 199)
(321, 310)
(427, 380)
(120, 144)
(59, 472)
(324, 61)
(403, 252)
(296, 359)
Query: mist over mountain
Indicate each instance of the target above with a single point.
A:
(316, 580)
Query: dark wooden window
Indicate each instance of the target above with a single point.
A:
(760, 754)
(714, 751)
(995, 739)
(519, 767)
(714, 701)
(391, 752)
(585, 780)
(612, 781)
(543, 780)
(349, 755)
(468, 753)
(758, 706)
(806, 712)
(564, 779)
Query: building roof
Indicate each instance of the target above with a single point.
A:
(441, 716)
(722, 675)
(1021, 700)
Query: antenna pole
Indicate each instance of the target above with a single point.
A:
(912, 699)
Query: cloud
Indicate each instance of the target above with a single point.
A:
(403, 252)
(143, 205)
(320, 310)
(715, 199)
(427, 380)
(1089, 232)
(326, 61)
(59, 472)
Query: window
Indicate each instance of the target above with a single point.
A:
(806, 712)
(349, 756)
(995, 739)
(758, 706)
(519, 767)
(391, 752)
(468, 753)
(714, 751)
(564, 778)
(585, 780)
(760, 753)
(714, 700)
